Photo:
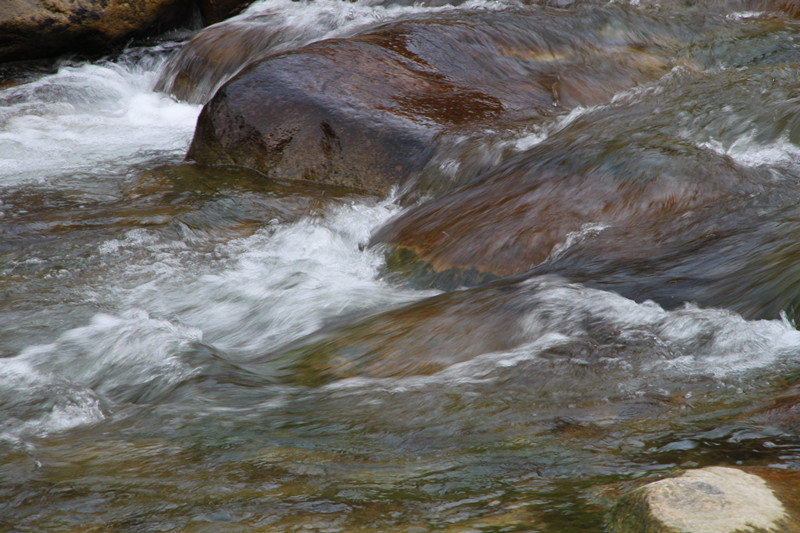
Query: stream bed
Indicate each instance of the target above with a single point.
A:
(202, 349)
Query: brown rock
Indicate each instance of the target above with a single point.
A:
(365, 112)
(530, 209)
(43, 28)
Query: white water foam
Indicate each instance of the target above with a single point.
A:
(746, 15)
(586, 231)
(252, 294)
(65, 384)
(746, 151)
(325, 19)
(95, 119)
(244, 297)
(37, 403)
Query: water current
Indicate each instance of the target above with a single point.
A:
(161, 323)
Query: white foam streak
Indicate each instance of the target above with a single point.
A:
(746, 151)
(324, 19)
(586, 231)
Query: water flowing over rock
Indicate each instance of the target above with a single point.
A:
(266, 122)
(366, 111)
(708, 500)
(617, 197)
(593, 275)
(37, 28)
(663, 208)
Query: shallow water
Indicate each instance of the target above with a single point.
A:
(203, 350)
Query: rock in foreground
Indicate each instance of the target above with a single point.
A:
(707, 500)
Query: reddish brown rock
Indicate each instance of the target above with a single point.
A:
(43, 28)
(365, 112)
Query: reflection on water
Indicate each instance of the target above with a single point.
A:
(203, 350)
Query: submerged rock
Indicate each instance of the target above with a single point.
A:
(418, 339)
(541, 202)
(366, 111)
(34, 28)
(707, 500)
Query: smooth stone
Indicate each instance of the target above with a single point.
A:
(540, 203)
(707, 500)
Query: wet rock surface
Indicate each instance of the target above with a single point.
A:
(366, 111)
(619, 198)
(668, 210)
(265, 121)
(38, 28)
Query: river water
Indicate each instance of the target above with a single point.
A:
(152, 313)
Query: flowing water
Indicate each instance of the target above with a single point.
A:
(166, 331)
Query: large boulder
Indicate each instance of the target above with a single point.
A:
(709, 500)
(294, 117)
(366, 111)
(43, 28)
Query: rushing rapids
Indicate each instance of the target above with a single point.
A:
(584, 280)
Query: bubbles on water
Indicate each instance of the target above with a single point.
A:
(36, 402)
